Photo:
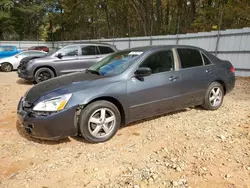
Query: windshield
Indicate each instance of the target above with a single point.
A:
(6, 48)
(52, 51)
(115, 64)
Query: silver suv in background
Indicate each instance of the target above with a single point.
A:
(69, 59)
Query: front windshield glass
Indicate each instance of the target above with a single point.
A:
(52, 51)
(115, 64)
(6, 48)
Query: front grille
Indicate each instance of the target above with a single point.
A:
(28, 108)
(23, 64)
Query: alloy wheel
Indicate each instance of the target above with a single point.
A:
(45, 75)
(101, 123)
(6, 67)
(215, 97)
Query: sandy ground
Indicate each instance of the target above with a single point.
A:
(189, 148)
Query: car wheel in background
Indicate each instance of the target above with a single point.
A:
(6, 67)
(44, 74)
(214, 96)
(99, 121)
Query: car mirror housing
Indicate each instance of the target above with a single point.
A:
(60, 55)
(143, 71)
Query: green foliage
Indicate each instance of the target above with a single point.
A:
(87, 19)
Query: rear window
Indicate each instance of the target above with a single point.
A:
(105, 50)
(190, 58)
(37, 54)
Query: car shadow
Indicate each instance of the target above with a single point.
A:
(24, 82)
(163, 115)
(81, 139)
(23, 134)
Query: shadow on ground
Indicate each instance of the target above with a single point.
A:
(24, 82)
(163, 115)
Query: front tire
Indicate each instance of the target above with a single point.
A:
(99, 121)
(6, 67)
(43, 74)
(214, 96)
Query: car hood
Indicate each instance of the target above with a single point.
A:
(61, 85)
(45, 58)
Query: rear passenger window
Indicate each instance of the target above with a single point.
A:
(89, 50)
(190, 58)
(160, 62)
(206, 60)
(105, 50)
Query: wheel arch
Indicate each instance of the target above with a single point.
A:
(114, 101)
(222, 83)
(45, 66)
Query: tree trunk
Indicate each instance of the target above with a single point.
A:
(159, 16)
(167, 17)
(193, 8)
(144, 25)
(107, 17)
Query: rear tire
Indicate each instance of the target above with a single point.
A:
(6, 67)
(43, 74)
(214, 96)
(99, 121)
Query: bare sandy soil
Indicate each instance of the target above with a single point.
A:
(190, 148)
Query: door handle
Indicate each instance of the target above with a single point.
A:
(208, 71)
(173, 78)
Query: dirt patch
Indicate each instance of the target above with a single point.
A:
(11, 170)
(190, 148)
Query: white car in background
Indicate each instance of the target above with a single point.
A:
(11, 63)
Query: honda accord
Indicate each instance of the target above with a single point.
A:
(126, 86)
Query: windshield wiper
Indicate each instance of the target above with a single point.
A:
(92, 71)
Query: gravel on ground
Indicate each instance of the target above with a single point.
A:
(188, 148)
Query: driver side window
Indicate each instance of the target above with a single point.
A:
(70, 51)
(158, 62)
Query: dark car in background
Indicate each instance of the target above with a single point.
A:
(69, 59)
(41, 48)
(126, 86)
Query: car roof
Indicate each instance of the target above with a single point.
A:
(89, 43)
(34, 51)
(7, 46)
(146, 48)
(38, 46)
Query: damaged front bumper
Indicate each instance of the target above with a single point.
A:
(24, 75)
(51, 126)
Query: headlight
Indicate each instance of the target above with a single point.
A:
(53, 104)
(31, 62)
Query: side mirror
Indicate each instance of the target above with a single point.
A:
(143, 71)
(59, 56)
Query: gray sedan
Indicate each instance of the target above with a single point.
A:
(126, 86)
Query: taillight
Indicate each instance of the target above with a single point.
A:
(232, 69)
